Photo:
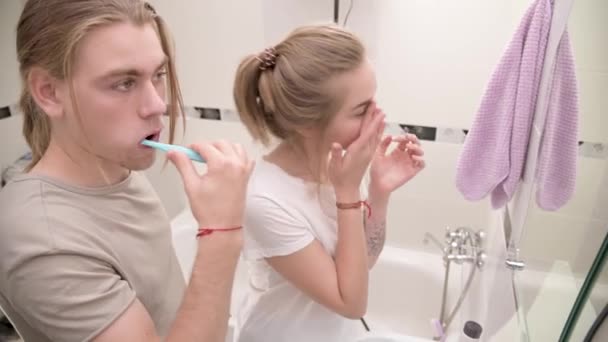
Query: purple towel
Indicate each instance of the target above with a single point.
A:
(556, 172)
(494, 153)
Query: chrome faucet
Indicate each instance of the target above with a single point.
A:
(461, 245)
(429, 237)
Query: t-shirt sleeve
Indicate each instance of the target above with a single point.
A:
(68, 297)
(272, 230)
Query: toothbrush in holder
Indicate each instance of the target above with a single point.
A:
(168, 147)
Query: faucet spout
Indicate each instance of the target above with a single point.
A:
(429, 237)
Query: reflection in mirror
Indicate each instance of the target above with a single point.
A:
(432, 63)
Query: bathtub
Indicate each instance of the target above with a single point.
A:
(546, 296)
(405, 288)
(404, 293)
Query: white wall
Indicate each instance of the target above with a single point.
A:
(588, 27)
(211, 37)
(12, 145)
(435, 57)
(9, 68)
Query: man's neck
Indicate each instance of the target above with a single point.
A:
(78, 168)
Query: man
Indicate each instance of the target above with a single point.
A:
(85, 245)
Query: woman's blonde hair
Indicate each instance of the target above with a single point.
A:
(48, 34)
(286, 87)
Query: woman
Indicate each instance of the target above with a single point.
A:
(308, 245)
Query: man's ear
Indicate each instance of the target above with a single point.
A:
(46, 92)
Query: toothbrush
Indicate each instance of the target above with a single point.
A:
(168, 147)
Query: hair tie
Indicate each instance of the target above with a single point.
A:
(150, 8)
(268, 58)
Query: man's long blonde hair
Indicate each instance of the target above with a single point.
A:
(48, 34)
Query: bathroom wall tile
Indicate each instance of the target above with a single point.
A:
(191, 112)
(208, 113)
(10, 82)
(393, 128)
(595, 150)
(591, 240)
(410, 218)
(593, 102)
(281, 16)
(419, 85)
(210, 45)
(451, 135)
(587, 26)
(549, 237)
(437, 180)
(230, 115)
(422, 132)
(210, 130)
(439, 134)
(5, 112)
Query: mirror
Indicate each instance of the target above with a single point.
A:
(446, 260)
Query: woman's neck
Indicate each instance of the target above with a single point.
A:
(303, 161)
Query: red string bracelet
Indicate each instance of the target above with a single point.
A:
(356, 205)
(208, 231)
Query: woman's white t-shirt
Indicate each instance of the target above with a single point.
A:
(283, 215)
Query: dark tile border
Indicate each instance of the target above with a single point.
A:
(5, 112)
(451, 135)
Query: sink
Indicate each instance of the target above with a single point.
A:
(392, 338)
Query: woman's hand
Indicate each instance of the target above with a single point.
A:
(346, 170)
(389, 171)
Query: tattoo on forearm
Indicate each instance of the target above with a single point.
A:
(375, 233)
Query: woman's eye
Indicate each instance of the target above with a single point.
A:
(161, 75)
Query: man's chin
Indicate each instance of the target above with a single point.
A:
(141, 164)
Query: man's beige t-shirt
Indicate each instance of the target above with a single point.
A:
(73, 259)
